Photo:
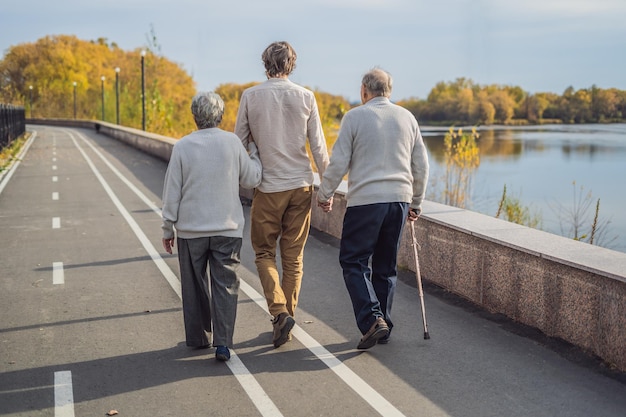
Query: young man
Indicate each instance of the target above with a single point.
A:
(280, 117)
(201, 200)
(381, 146)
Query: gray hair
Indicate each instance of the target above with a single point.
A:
(279, 59)
(378, 82)
(207, 109)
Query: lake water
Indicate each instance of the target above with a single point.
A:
(539, 164)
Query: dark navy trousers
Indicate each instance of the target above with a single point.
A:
(371, 236)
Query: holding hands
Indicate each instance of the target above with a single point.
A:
(327, 206)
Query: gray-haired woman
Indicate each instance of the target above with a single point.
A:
(201, 206)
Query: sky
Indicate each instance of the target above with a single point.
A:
(538, 45)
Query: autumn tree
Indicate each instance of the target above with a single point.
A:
(52, 65)
(464, 102)
(461, 158)
(503, 104)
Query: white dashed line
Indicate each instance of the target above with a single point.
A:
(56, 222)
(55, 195)
(63, 394)
(55, 179)
(54, 167)
(58, 276)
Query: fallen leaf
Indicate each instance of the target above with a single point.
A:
(112, 413)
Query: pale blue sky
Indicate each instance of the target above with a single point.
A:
(539, 45)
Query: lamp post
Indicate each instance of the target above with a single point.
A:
(74, 100)
(30, 101)
(117, 95)
(102, 79)
(143, 91)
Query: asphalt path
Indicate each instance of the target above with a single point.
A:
(91, 319)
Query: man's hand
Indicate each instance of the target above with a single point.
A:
(326, 206)
(168, 244)
(414, 214)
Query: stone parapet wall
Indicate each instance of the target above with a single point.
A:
(567, 289)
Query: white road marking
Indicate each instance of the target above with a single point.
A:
(58, 275)
(362, 388)
(154, 254)
(63, 394)
(125, 180)
(54, 159)
(254, 390)
(55, 179)
(54, 167)
(257, 394)
(56, 222)
(55, 195)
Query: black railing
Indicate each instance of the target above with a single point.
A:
(12, 123)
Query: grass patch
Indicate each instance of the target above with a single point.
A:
(9, 153)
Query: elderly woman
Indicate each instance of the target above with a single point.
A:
(201, 206)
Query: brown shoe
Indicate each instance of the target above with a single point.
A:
(282, 329)
(378, 330)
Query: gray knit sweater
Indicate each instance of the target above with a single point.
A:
(381, 146)
(201, 189)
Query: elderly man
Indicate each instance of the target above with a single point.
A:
(381, 146)
(281, 117)
(201, 201)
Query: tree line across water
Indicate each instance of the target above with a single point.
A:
(465, 102)
(62, 76)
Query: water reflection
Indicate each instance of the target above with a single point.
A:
(540, 164)
(502, 144)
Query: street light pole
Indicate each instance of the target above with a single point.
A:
(143, 91)
(102, 79)
(74, 100)
(117, 95)
(30, 101)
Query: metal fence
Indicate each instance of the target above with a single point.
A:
(12, 123)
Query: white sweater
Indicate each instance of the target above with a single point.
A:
(381, 146)
(201, 189)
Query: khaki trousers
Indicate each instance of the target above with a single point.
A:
(282, 218)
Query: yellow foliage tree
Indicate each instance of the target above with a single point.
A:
(52, 65)
(461, 159)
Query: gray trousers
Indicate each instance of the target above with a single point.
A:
(202, 306)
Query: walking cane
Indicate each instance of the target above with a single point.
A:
(419, 280)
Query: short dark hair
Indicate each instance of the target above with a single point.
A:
(279, 59)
